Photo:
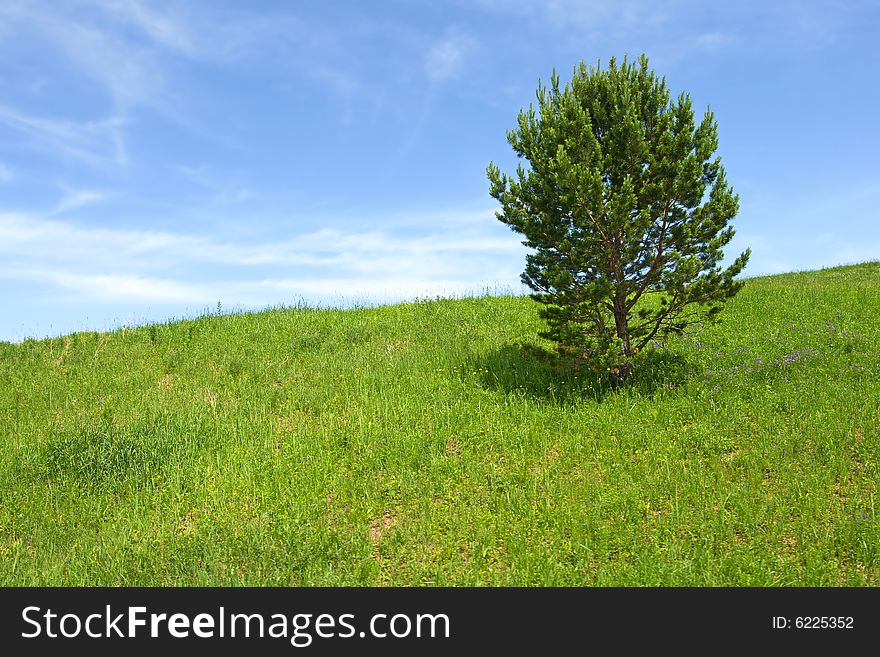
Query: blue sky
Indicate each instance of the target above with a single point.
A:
(157, 158)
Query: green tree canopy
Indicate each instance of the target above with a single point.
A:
(626, 208)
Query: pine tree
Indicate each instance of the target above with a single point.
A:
(626, 209)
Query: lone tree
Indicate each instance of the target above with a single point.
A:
(626, 208)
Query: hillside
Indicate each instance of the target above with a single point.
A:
(437, 443)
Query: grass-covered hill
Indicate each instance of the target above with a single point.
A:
(437, 443)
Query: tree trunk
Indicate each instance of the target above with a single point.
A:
(622, 372)
(620, 323)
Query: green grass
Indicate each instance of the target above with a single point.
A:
(436, 443)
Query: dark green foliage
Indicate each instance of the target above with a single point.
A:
(104, 456)
(99, 457)
(627, 209)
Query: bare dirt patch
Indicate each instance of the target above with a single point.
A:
(378, 527)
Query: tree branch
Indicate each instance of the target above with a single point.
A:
(647, 279)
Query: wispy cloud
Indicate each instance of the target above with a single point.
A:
(35, 241)
(714, 42)
(76, 198)
(118, 52)
(261, 292)
(116, 287)
(27, 234)
(163, 28)
(123, 68)
(677, 30)
(222, 189)
(99, 143)
(131, 56)
(594, 15)
(446, 58)
(7, 175)
(128, 264)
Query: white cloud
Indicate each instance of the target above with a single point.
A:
(126, 70)
(7, 175)
(95, 48)
(446, 58)
(233, 195)
(714, 42)
(666, 30)
(387, 288)
(464, 253)
(130, 288)
(98, 143)
(115, 287)
(164, 29)
(29, 234)
(77, 198)
(30, 238)
(597, 16)
(223, 191)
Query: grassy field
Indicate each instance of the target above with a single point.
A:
(436, 443)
